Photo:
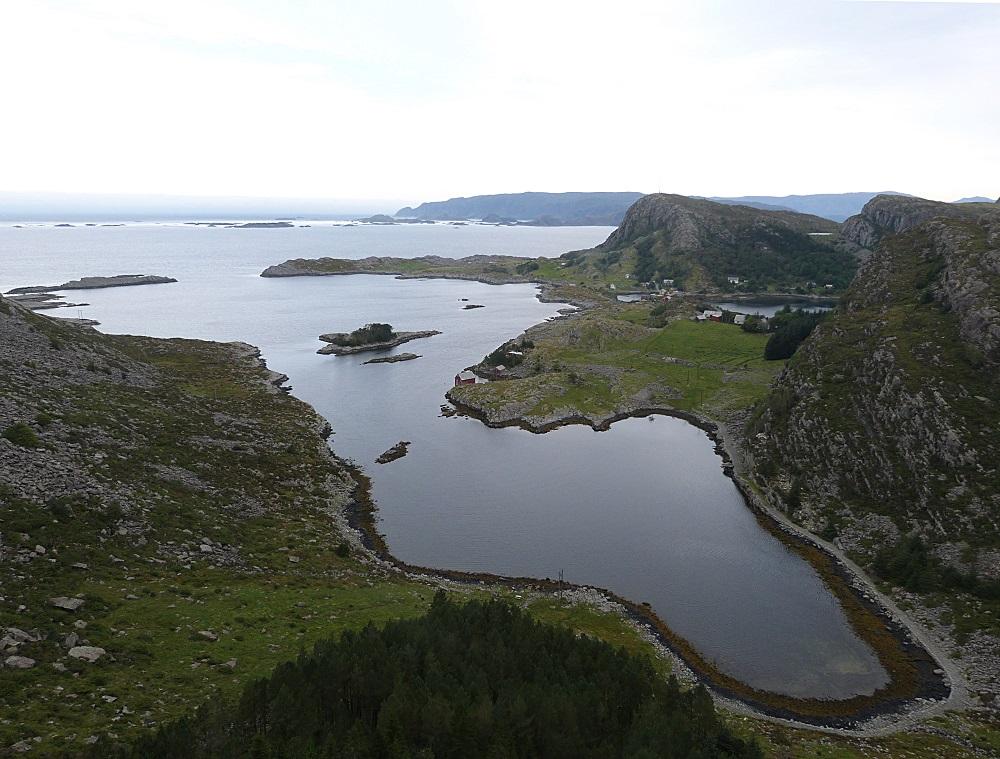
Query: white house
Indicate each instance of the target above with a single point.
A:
(739, 319)
(733, 280)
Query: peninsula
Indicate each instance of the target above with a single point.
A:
(94, 283)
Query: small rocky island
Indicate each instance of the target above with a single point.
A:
(392, 359)
(371, 337)
(399, 450)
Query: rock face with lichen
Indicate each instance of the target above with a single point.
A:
(886, 215)
(887, 420)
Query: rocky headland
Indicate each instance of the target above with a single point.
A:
(93, 283)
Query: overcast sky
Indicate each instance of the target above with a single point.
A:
(425, 100)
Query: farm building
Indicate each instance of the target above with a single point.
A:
(465, 378)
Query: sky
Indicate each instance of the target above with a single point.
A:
(391, 103)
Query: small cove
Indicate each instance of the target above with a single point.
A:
(643, 509)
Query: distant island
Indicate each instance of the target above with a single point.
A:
(371, 337)
(536, 208)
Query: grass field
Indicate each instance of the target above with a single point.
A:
(605, 360)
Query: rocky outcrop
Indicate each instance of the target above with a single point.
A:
(395, 359)
(399, 450)
(886, 215)
(345, 350)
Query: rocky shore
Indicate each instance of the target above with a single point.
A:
(346, 350)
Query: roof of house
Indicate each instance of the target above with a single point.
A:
(466, 375)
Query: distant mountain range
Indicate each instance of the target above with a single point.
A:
(976, 199)
(608, 208)
(537, 208)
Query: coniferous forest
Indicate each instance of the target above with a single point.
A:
(479, 679)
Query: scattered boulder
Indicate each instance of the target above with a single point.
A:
(69, 604)
(87, 653)
(208, 635)
(18, 662)
(71, 640)
(20, 636)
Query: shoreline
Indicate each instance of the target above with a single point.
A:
(914, 692)
(861, 603)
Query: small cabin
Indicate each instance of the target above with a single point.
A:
(714, 316)
(733, 279)
(740, 319)
(465, 378)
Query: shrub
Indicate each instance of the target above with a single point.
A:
(375, 332)
(21, 434)
(792, 327)
(343, 549)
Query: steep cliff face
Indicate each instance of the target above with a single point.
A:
(887, 420)
(703, 243)
(886, 215)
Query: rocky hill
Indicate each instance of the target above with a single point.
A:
(887, 421)
(701, 244)
(886, 215)
(545, 208)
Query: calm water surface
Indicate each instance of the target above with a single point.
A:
(770, 308)
(643, 509)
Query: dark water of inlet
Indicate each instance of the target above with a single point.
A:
(643, 509)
